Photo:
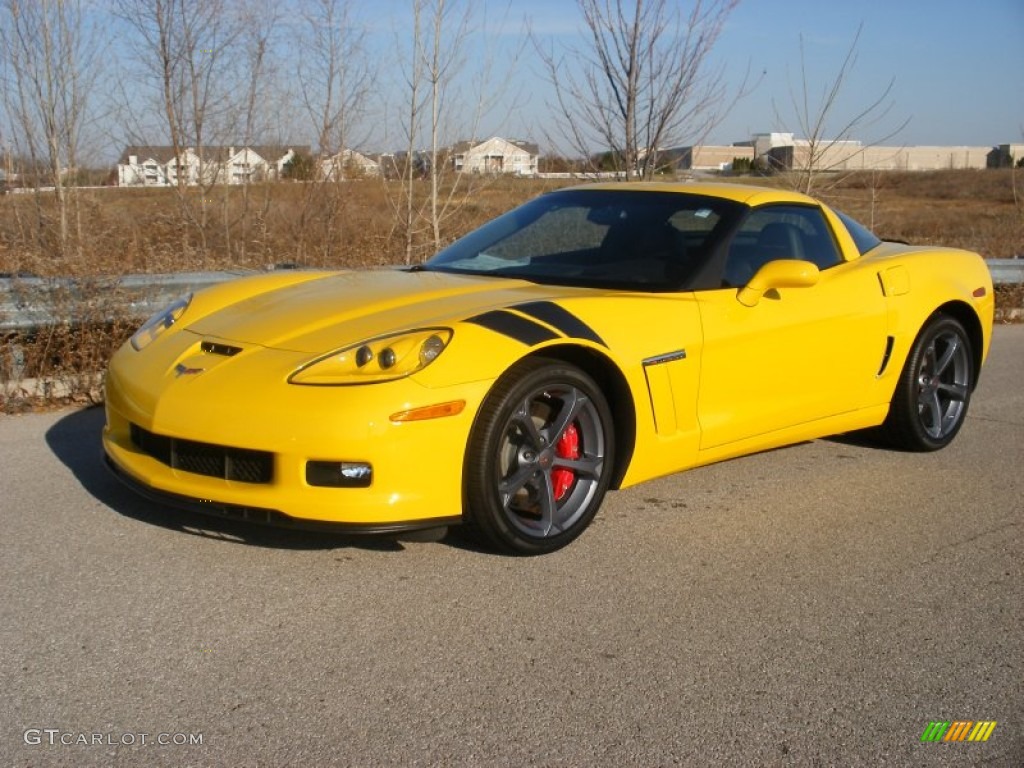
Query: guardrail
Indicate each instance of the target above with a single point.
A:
(33, 302)
(28, 302)
(1006, 270)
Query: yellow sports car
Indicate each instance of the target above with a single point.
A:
(593, 338)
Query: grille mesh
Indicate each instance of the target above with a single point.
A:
(238, 464)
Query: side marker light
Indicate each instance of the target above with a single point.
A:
(438, 411)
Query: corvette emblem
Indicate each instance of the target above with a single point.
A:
(183, 370)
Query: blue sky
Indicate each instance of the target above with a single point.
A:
(958, 67)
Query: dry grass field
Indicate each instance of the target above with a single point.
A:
(976, 210)
(112, 232)
(116, 231)
(353, 224)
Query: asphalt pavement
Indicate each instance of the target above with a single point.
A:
(815, 605)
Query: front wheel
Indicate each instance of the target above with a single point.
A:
(539, 459)
(934, 389)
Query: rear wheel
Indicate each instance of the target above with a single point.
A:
(539, 460)
(934, 390)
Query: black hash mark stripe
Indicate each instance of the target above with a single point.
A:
(514, 326)
(560, 318)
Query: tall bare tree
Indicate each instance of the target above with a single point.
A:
(187, 52)
(405, 206)
(258, 25)
(333, 71)
(448, 31)
(335, 76)
(642, 81)
(444, 102)
(50, 56)
(824, 130)
(185, 47)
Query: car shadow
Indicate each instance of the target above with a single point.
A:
(865, 438)
(75, 441)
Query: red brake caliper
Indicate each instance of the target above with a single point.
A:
(567, 447)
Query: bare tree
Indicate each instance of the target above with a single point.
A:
(258, 23)
(405, 207)
(185, 47)
(440, 29)
(448, 30)
(333, 71)
(1015, 163)
(187, 52)
(335, 79)
(50, 58)
(816, 116)
(443, 102)
(642, 81)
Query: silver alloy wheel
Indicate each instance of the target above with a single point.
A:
(943, 382)
(550, 459)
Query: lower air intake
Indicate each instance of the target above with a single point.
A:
(237, 464)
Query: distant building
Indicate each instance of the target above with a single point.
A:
(1005, 155)
(917, 159)
(397, 165)
(706, 157)
(159, 166)
(781, 151)
(348, 164)
(496, 155)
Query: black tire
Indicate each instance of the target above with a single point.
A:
(934, 388)
(539, 460)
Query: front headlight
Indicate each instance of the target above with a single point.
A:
(382, 359)
(160, 322)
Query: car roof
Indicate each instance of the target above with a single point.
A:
(742, 193)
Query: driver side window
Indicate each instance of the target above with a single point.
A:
(779, 232)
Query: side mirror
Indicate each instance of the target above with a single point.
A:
(781, 273)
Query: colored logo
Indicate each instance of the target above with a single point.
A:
(183, 370)
(958, 730)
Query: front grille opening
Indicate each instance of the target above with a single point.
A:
(238, 464)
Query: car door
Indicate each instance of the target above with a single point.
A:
(797, 355)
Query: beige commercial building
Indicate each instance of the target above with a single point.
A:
(709, 157)
(783, 151)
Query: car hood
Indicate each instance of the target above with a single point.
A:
(349, 307)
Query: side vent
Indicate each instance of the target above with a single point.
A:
(889, 341)
(214, 348)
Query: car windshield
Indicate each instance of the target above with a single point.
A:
(635, 240)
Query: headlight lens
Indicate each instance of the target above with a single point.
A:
(160, 322)
(382, 359)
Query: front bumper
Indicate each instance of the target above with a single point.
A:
(271, 517)
(417, 466)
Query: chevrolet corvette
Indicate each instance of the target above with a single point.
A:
(591, 339)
